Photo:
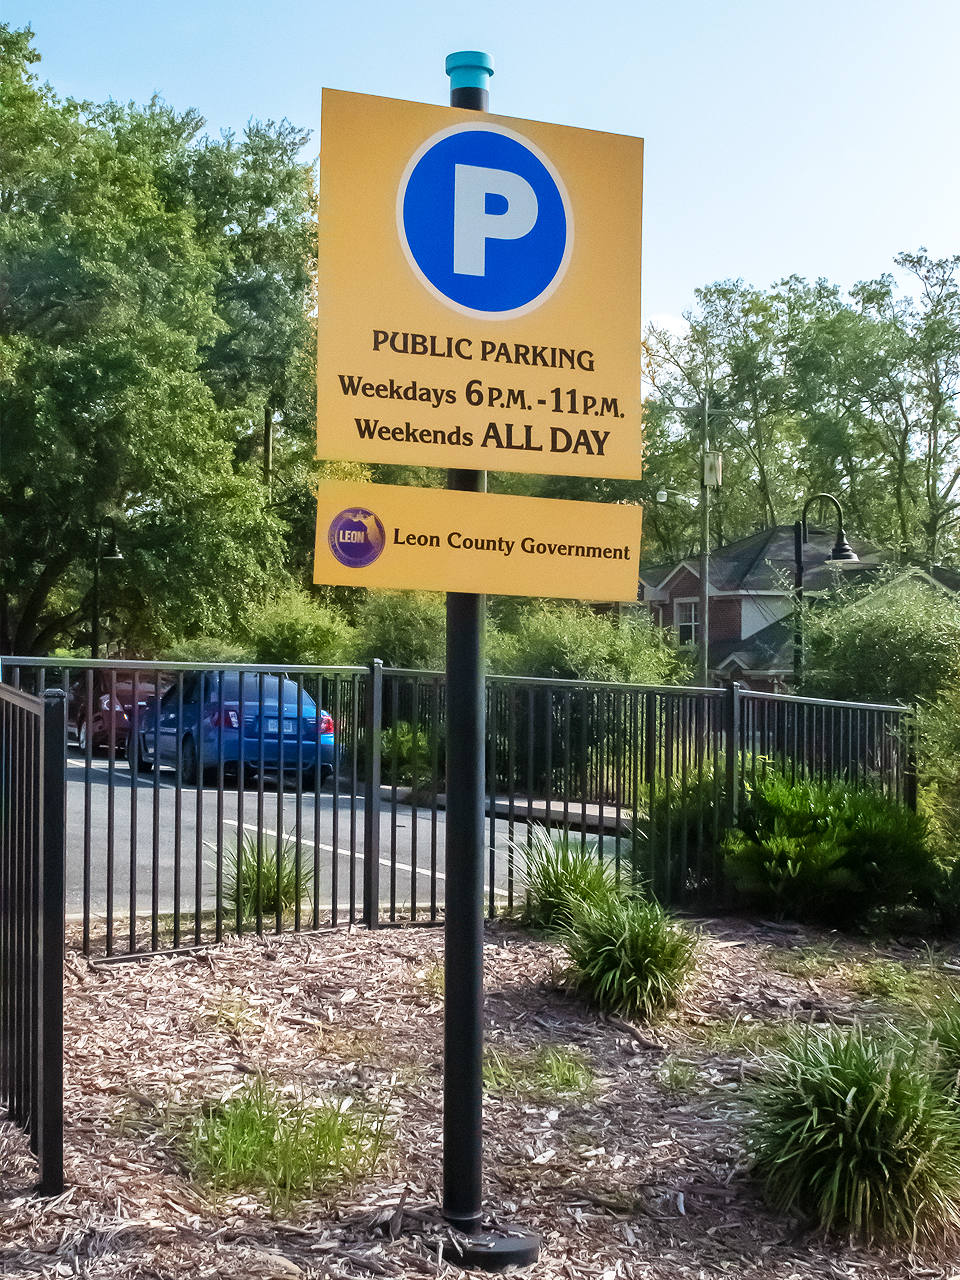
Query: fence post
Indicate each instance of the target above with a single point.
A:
(731, 733)
(373, 718)
(53, 911)
(910, 766)
(650, 771)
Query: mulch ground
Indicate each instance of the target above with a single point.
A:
(631, 1181)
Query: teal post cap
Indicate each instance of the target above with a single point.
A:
(469, 69)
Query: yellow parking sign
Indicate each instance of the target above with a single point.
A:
(478, 291)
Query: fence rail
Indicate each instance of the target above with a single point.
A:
(199, 801)
(32, 737)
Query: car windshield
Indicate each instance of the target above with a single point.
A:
(249, 684)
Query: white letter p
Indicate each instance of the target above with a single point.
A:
(473, 226)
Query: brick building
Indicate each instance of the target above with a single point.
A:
(751, 600)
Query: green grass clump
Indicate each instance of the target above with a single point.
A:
(562, 877)
(737, 1036)
(944, 1031)
(544, 1073)
(887, 979)
(278, 883)
(853, 1131)
(434, 979)
(286, 1147)
(809, 961)
(921, 987)
(677, 1075)
(629, 957)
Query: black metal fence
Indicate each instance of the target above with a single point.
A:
(203, 799)
(32, 922)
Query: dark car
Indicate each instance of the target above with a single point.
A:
(198, 725)
(103, 711)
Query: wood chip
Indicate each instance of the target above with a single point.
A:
(631, 1183)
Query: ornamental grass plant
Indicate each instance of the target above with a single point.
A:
(627, 956)
(265, 880)
(562, 877)
(854, 1131)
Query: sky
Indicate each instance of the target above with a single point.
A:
(817, 138)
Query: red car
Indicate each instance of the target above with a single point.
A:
(106, 714)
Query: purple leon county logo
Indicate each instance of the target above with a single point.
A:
(356, 537)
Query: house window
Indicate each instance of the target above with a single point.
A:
(687, 620)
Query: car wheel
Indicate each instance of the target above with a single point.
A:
(326, 774)
(135, 756)
(188, 763)
(308, 779)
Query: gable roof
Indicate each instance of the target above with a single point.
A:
(764, 561)
(769, 650)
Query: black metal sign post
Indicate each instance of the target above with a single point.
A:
(463, 928)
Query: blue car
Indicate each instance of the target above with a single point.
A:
(201, 725)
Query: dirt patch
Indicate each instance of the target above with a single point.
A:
(643, 1177)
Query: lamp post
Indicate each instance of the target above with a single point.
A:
(711, 477)
(111, 553)
(841, 551)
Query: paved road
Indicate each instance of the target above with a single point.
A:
(177, 837)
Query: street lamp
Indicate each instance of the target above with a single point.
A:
(711, 477)
(841, 551)
(111, 553)
(711, 460)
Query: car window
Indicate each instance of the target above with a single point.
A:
(169, 699)
(248, 683)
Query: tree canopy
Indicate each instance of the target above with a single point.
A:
(157, 380)
(154, 320)
(810, 392)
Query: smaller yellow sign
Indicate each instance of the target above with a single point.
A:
(383, 535)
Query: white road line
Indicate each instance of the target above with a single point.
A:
(344, 853)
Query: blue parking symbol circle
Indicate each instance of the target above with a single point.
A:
(485, 221)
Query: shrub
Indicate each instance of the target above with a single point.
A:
(675, 843)
(822, 852)
(628, 957)
(939, 753)
(277, 884)
(852, 1131)
(948, 899)
(898, 643)
(572, 642)
(796, 876)
(207, 649)
(562, 877)
(404, 628)
(293, 628)
(406, 756)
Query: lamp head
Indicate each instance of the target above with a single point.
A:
(843, 549)
(112, 552)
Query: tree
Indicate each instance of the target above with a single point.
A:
(811, 392)
(155, 305)
(896, 642)
(562, 641)
(733, 363)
